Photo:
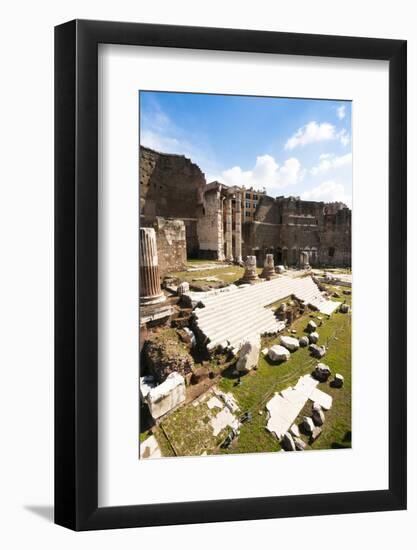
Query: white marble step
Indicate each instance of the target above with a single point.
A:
(236, 313)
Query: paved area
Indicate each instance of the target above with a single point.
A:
(285, 406)
(224, 418)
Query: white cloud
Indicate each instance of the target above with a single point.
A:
(341, 112)
(266, 173)
(160, 143)
(314, 132)
(311, 133)
(328, 191)
(344, 137)
(330, 162)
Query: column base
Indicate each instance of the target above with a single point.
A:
(150, 300)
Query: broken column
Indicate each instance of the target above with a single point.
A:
(250, 270)
(229, 250)
(150, 285)
(238, 229)
(269, 269)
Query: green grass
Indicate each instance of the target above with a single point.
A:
(229, 274)
(197, 262)
(189, 430)
(256, 390)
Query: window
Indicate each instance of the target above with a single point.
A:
(331, 252)
(247, 196)
(248, 205)
(247, 214)
(255, 197)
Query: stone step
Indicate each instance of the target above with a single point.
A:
(233, 316)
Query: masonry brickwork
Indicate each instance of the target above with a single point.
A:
(171, 243)
(171, 186)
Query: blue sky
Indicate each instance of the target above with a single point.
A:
(288, 146)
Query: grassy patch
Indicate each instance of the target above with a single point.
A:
(189, 430)
(254, 391)
(229, 274)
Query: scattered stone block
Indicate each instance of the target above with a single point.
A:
(315, 434)
(338, 381)
(304, 341)
(150, 448)
(311, 326)
(163, 398)
(344, 308)
(294, 431)
(183, 288)
(278, 354)
(287, 442)
(313, 337)
(214, 402)
(322, 372)
(280, 269)
(317, 351)
(318, 415)
(264, 351)
(249, 355)
(289, 342)
(187, 336)
(299, 444)
(308, 425)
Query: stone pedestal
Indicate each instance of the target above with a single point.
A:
(150, 285)
(229, 249)
(269, 269)
(250, 270)
(238, 229)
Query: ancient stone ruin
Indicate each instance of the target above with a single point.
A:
(150, 283)
(231, 223)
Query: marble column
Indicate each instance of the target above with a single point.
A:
(220, 229)
(250, 270)
(229, 249)
(269, 269)
(238, 228)
(149, 282)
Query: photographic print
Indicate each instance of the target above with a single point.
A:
(245, 274)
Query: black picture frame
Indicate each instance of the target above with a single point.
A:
(76, 271)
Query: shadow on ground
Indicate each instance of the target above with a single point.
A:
(45, 512)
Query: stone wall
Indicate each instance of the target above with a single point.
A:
(171, 244)
(210, 225)
(288, 226)
(171, 186)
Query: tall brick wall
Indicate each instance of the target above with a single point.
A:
(287, 226)
(171, 186)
